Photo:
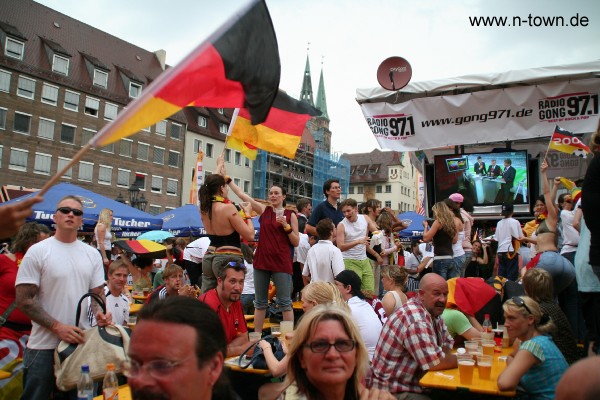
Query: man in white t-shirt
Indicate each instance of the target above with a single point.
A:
(324, 260)
(507, 229)
(53, 276)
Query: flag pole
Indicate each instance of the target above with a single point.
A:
(548, 148)
(60, 173)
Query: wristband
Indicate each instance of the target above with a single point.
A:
(288, 229)
(227, 179)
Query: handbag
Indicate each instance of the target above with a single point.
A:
(106, 344)
(258, 357)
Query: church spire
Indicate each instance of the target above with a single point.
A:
(306, 94)
(321, 99)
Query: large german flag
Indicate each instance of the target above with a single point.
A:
(238, 66)
(282, 130)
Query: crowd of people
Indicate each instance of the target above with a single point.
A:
(376, 317)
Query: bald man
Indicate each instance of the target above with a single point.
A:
(581, 381)
(415, 328)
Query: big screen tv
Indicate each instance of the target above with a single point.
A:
(479, 177)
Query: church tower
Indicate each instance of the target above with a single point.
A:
(306, 94)
(320, 130)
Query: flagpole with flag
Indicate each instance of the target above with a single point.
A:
(237, 66)
(197, 178)
(566, 142)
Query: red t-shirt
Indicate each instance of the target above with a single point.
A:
(233, 320)
(274, 252)
(8, 276)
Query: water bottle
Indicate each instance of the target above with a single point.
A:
(85, 386)
(487, 324)
(110, 386)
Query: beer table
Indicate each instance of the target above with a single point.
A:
(232, 364)
(135, 308)
(449, 379)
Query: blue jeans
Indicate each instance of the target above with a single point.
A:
(247, 303)
(38, 374)
(283, 284)
(446, 268)
(460, 264)
(562, 271)
(211, 263)
(466, 260)
(508, 268)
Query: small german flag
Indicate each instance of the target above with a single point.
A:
(566, 142)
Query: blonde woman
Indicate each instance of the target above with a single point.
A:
(538, 364)
(443, 233)
(321, 292)
(394, 280)
(328, 359)
(104, 235)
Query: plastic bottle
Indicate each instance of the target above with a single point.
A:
(85, 386)
(110, 386)
(487, 324)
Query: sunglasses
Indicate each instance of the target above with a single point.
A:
(519, 302)
(66, 210)
(235, 264)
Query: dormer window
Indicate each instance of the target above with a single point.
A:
(135, 90)
(202, 122)
(100, 78)
(60, 64)
(221, 111)
(223, 128)
(14, 48)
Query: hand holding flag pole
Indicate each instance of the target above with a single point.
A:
(237, 66)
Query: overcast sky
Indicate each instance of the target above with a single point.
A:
(352, 37)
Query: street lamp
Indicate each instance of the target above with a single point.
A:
(135, 200)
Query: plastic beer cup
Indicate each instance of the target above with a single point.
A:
(465, 370)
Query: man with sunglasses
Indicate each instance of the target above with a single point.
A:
(413, 341)
(52, 277)
(225, 300)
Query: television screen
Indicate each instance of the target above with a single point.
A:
(486, 180)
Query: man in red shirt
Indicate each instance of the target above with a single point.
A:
(225, 300)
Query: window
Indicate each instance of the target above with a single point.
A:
(237, 181)
(351, 190)
(173, 159)
(143, 151)
(125, 147)
(161, 128)
(209, 150)
(18, 159)
(86, 136)
(388, 204)
(42, 163)
(123, 177)
(221, 111)
(22, 123)
(227, 155)
(223, 128)
(135, 89)
(172, 187)
(105, 175)
(388, 188)
(14, 48)
(202, 121)
(197, 145)
(62, 162)
(246, 186)
(60, 65)
(157, 184)
(378, 189)
(49, 94)
(110, 111)
(360, 190)
(46, 129)
(176, 131)
(2, 118)
(67, 134)
(4, 81)
(140, 180)
(71, 100)
(246, 162)
(153, 209)
(26, 87)
(91, 106)
(86, 171)
(100, 78)
(159, 155)
(238, 158)
(109, 148)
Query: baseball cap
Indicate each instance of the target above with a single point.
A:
(348, 277)
(457, 197)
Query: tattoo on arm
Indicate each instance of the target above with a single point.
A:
(100, 292)
(27, 302)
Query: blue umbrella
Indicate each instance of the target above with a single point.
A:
(183, 221)
(155, 236)
(415, 228)
(127, 221)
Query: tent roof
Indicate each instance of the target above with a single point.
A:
(478, 82)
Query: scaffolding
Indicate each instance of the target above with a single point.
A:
(328, 166)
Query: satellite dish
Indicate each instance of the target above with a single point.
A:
(394, 73)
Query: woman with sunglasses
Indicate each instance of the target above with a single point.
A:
(537, 365)
(328, 359)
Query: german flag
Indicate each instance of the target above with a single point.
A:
(282, 130)
(238, 66)
(246, 149)
(566, 142)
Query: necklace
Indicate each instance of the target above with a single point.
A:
(221, 199)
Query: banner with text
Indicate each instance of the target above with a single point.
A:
(485, 116)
